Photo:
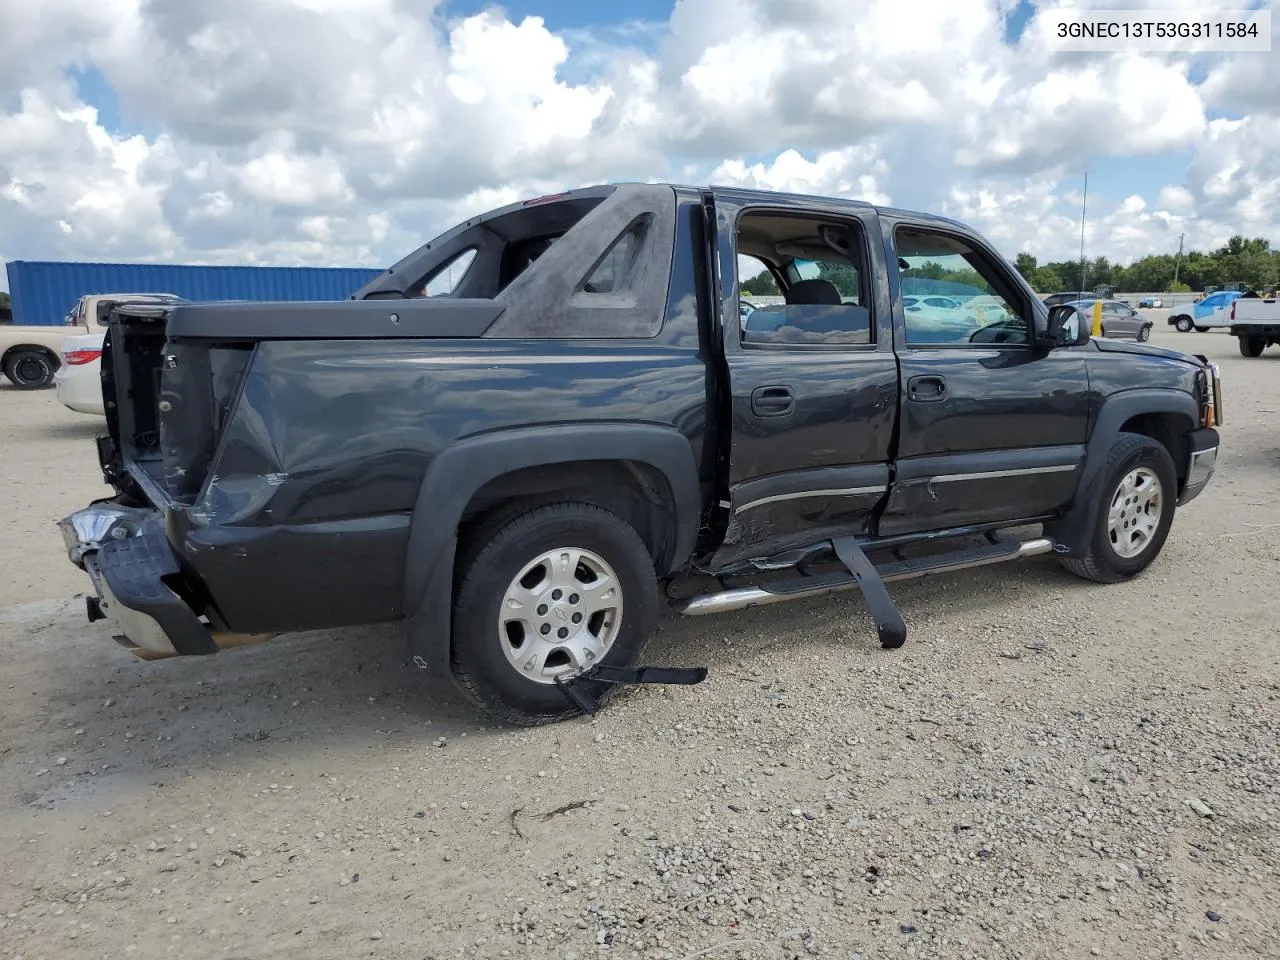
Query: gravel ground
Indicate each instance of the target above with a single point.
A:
(1047, 769)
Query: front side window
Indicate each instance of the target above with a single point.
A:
(963, 297)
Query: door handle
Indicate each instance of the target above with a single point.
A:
(926, 389)
(772, 401)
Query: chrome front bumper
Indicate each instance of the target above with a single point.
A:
(1199, 471)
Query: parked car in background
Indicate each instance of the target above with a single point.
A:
(1119, 320)
(1053, 299)
(78, 377)
(30, 355)
(1255, 322)
(1204, 312)
(1150, 303)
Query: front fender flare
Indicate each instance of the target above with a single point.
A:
(1072, 531)
(460, 470)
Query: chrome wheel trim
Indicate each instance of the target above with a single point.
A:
(1134, 514)
(560, 615)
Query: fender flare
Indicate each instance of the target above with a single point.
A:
(1072, 531)
(460, 470)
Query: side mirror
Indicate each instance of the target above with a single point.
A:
(1067, 328)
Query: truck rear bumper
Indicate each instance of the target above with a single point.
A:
(1201, 461)
(131, 565)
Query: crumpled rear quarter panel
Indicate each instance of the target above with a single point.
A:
(304, 519)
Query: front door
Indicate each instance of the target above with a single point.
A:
(993, 425)
(812, 375)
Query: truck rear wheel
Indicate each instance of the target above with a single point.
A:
(1252, 346)
(547, 595)
(1139, 491)
(30, 369)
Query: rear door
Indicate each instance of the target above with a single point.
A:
(993, 424)
(1118, 320)
(812, 385)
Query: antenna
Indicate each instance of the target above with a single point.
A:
(1084, 205)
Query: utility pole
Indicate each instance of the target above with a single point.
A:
(1178, 260)
(1084, 205)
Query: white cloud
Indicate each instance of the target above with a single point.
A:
(348, 131)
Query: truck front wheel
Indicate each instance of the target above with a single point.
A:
(1252, 346)
(549, 594)
(1139, 490)
(1182, 324)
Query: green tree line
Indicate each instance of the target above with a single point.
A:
(1251, 261)
(1248, 260)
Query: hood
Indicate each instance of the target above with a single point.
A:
(1145, 350)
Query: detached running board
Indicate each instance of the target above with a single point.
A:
(870, 578)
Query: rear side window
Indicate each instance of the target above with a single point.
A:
(826, 302)
(446, 278)
(616, 271)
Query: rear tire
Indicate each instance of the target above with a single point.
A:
(520, 618)
(1252, 346)
(1135, 512)
(30, 369)
(1202, 329)
(1182, 324)
(1144, 334)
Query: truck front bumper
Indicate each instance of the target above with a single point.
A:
(1201, 461)
(132, 566)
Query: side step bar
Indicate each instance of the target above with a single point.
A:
(800, 588)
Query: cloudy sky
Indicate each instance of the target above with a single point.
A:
(347, 132)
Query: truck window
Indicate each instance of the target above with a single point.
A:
(985, 309)
(826, 304)
(444, 280)
(616, 270)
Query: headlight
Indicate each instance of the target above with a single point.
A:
(1209, 393)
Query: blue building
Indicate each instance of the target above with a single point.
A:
(44, 291)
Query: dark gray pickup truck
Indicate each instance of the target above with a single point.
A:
(529, 434)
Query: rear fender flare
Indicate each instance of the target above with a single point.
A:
(460, 470)
(1072, 531)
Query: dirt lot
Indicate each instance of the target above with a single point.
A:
(1021, 780)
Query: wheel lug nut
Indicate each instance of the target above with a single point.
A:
(556, 594)
(546, 628)
(577, 618)
(542, 609)
(573, 598)
(562, 632)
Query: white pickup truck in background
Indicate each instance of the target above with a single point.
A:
(1255, 323)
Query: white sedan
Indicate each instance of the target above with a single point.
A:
(78, 379)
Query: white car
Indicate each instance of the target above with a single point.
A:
(78, 378)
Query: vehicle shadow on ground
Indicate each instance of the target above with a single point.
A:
(303, 694)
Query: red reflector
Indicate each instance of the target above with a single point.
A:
(77, 357)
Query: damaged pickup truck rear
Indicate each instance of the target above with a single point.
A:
(532, 433)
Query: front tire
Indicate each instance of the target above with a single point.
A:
(1202, 329)
(1252, 346)
(549, 594)
(1139, 492)
(30, 369)
(1182, 324)
(1144, 334)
